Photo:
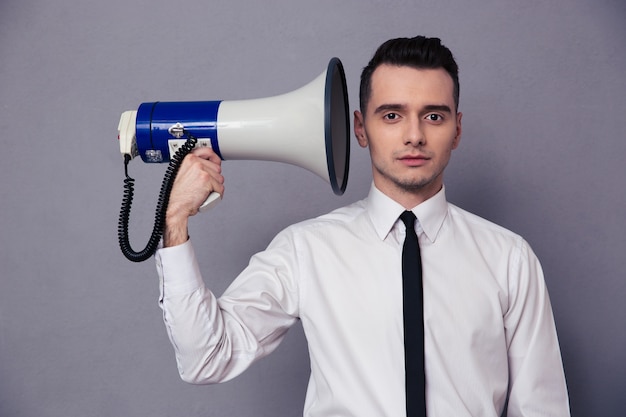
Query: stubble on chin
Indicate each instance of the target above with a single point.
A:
(407, 184)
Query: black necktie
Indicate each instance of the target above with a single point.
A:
(413, 320)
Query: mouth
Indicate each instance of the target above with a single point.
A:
(414, 160)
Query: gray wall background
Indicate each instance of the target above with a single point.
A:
(542, 90)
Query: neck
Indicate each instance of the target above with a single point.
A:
(409, 197)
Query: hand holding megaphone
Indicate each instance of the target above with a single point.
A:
(199, 184)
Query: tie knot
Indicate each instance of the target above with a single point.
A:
(408, 218)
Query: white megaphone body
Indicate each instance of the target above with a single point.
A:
(308, 127)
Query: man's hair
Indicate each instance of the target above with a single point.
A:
(419, 52)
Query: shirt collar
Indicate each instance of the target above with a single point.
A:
(384, 213)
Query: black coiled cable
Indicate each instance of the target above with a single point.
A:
(161, 208)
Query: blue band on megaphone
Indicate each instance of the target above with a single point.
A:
(154, 120)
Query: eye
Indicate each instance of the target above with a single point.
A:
(434, 117)
(391, 116)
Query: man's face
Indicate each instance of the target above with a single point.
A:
(411, 127)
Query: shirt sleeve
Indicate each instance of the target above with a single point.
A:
(537, 384)
(215, 339)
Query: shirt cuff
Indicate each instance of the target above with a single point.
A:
(178, 269)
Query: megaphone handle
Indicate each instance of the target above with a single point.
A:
(210, 202)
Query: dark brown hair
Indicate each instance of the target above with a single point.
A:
(419, 52)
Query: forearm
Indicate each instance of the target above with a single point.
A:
(176, 229)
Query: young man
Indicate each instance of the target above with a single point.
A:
(489, 340)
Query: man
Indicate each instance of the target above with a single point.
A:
(490, 344)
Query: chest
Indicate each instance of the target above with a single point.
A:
(355, 285)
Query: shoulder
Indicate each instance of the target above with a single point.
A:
(347, 218)
(484, 230)
(477, 222)
(338, 218)
(501, 247)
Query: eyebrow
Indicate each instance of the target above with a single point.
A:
(438, 107)
(396, 106)
(386, 107)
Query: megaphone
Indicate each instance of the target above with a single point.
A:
(308, 127)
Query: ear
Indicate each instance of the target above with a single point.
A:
(459, 129)
(359, 129)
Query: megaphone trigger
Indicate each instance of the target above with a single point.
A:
(210, 202)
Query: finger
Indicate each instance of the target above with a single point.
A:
(205, 160)
(207, 153)
(203, 173)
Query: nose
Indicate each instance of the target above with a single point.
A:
(414, 134)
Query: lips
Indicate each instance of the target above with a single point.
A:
(414, 160)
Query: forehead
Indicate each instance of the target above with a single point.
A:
(410, 86)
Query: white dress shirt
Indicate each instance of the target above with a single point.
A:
(489, 328)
